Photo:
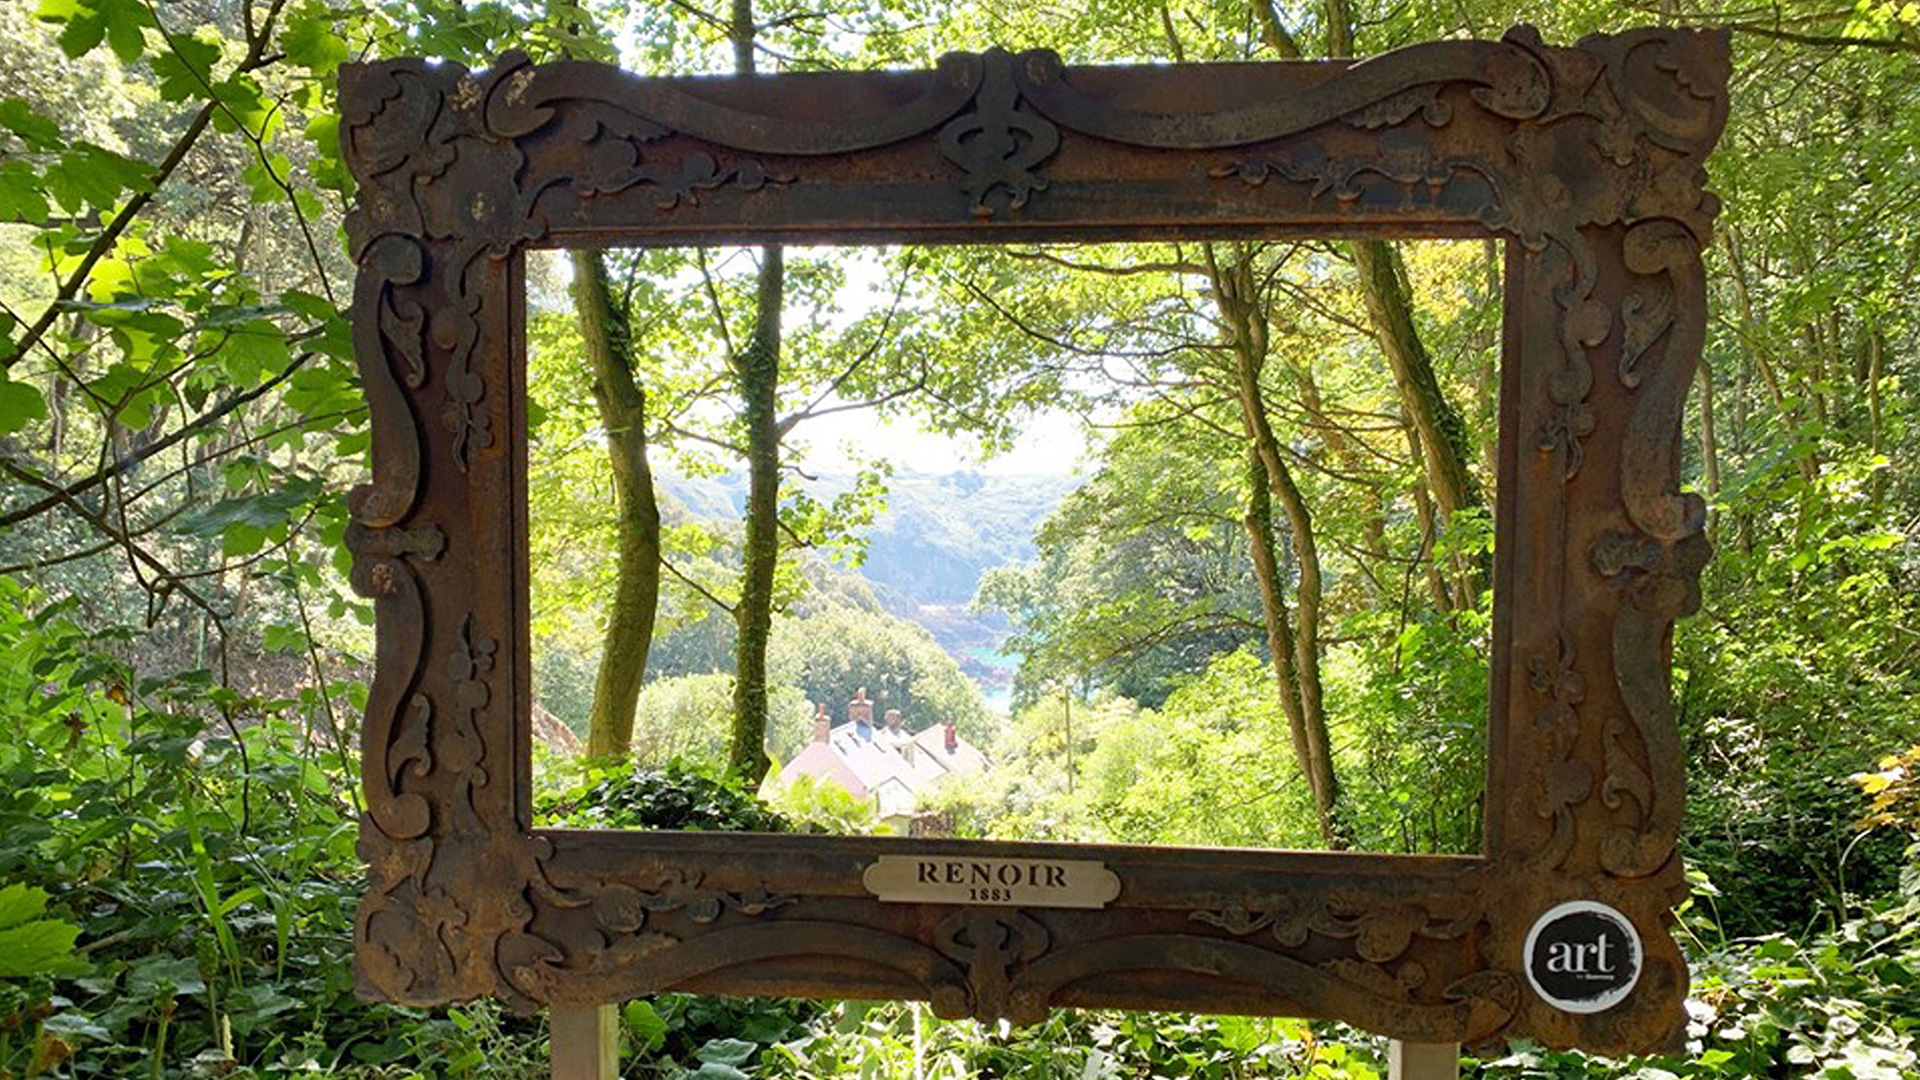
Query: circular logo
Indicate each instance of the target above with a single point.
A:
(1583, 956)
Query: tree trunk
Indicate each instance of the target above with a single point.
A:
(1245, 313)
(1444, 449)
(1443, 437)
(1339, 28)
(1486, 388)
(636, 592)
(1306, 635)
(1274, 32)
(1709, 436)
(1373, 527)
(1274, 614)
(1876, 420)
(756, 372)
(1429, 532)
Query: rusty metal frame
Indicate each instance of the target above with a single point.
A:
(1588, 160)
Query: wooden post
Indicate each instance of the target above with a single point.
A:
(1422, 1061)
(585, 1042)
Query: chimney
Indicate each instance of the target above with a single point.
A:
(860, 714)
(821, 722)
(893, 719)
(953, 738)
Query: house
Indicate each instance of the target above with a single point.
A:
(883, 762)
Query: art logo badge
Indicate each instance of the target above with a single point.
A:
(1583, 956)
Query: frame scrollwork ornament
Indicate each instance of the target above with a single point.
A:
(1588, 160)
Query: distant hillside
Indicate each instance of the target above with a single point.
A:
(937, 535)
(927, 550)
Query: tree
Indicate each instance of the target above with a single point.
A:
(756, 374)
(622, 404)
(833, 652)
(1141, 572)
(1438, 435)
(1293, 645)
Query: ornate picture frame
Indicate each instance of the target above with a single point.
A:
(1588, 160)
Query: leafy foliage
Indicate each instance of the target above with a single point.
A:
(677, 796)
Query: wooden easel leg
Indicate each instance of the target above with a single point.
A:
(585, 1042)
(1422, 1061)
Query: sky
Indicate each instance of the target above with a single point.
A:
(1051, 442)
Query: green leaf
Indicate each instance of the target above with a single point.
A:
(20, 405)
(265, 178)
(29, 944)
(22, 196)
(134, 316)
(174, 975)
(117, 22)
(245, 523)
(89, 175)
(309, 305)
(124, 24)
(19, 903)
(309, 42)
(323, 131)
(245, 108)
(84, 31)
(38, 132)
(187, 69)
(644, 1021)
(308, 203)
(70, 1024)
(253, 349)
(253, 1005)
(121, 385)
(727, 1051)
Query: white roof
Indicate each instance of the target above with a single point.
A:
(872, 762)
(893, 766)
(964, 760)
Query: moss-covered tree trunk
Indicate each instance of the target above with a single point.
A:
(1280, 642)
(1296, 648)
(756, 373)
(756, 377)
(1443, 436)
(1444, 446)
(623, 413)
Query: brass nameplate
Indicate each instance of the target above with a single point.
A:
(961, 879)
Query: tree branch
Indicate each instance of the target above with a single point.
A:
(695, 586)
(1175, 267)
(787, 424)
(110, 236)
(879, 339)
(122, 464)
(1839, 41)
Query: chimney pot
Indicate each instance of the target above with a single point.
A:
(860, 710)
(821, 723)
